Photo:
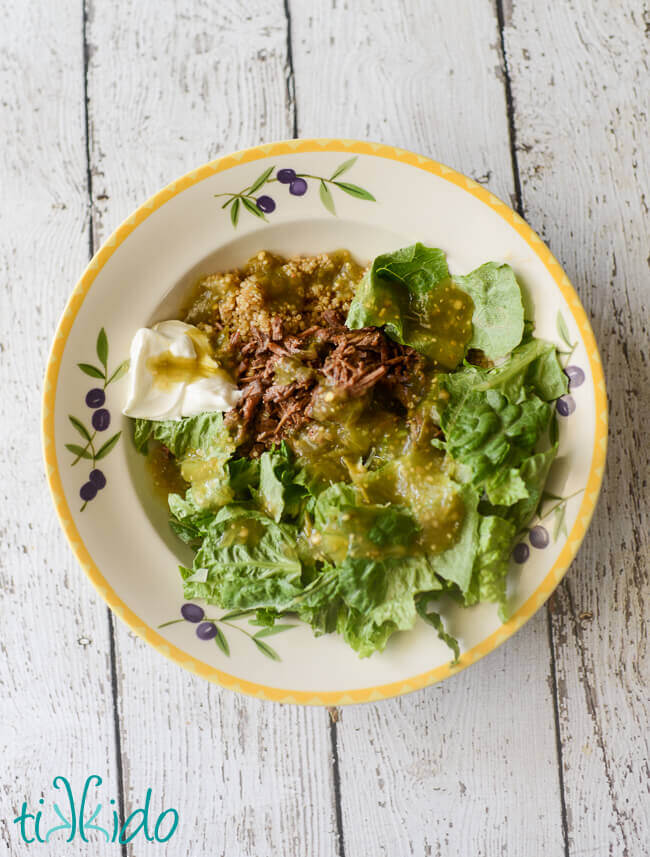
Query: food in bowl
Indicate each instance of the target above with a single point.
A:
(348, 445)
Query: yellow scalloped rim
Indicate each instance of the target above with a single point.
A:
(365, 694)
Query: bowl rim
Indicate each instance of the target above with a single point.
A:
(364, 694)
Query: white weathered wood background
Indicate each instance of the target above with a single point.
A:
(541, 748)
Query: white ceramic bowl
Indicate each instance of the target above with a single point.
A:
(385, 198)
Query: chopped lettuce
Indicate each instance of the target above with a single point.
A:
(244, 477)
(545, 375)
(498, 319)
(533, 472)
(278, 493)
(204, 434)
(246, 560)
(188, 521)
(456, 564)
(495, 537)
(492, 436)
(345, 526)
(367, 600)
(394, 281)
(409, 293)
(366, 625)
(493, 420)
(202, 446)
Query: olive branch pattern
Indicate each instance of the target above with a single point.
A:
(263, 204)
(208, 628)
(100, 420)
(538, 535)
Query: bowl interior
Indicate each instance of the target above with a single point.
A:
(144, 273)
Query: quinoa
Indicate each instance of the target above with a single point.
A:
(299, 290)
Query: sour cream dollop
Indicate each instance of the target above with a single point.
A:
(172, 374)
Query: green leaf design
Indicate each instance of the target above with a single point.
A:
(121, 370)
(563, 330)
(80, 427)
(326, 198)
(102, 347)
(553, 430)
(250, 206)
(236, 614)
(171, 622)
(234, 213)
(266, 649)
(355, 190)
(106, 448)
(344, 167)
(79, 451)
(221, 641)
(559, 521)
(260, 180)
(547, 495)
(93, 371)
(274, 629)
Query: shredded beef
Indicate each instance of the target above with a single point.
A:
(343, 362)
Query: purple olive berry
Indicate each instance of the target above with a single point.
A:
(286, 176)
(97, 478)
(575, 375)
(192, 612)
(298, 187)
(539, 537)
(88, 491)
(265, 204)
(95, 398)
(101, 419)
(521, 552)
(206, 631)
(565, 406)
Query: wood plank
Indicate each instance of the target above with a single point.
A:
(419, 75)
(580, 85)
(169, 89)
(56, 703)
(447, 770)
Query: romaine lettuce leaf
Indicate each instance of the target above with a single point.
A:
(202, 446)
(545, 375)
(142, 430)
(533, 472)
(493, 419)
(246, 560)
(204, 434)
(456, 564)
(347, 526)
(506, 486)
(188, 521)
(498, 319)
(391, 606)
(278, 494)
(531, 367)
(495, 537)
(492, 436)
(367, 600)
(244, 477)
(410, 294)
(394, 279)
